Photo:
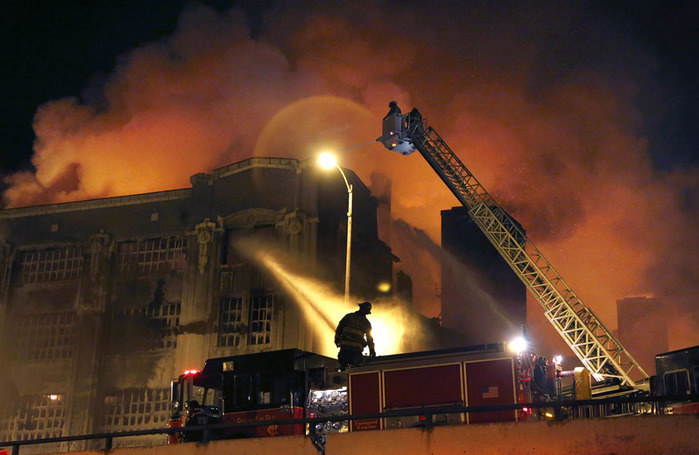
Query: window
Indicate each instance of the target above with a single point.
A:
(234, 278)
(242, 384)
(230, 326)
(167, 317)
(7, 422)
(158, 324)
(261, 307)
(158, 255)
(40, 416)
(677, 383)
(52, 264)
(266, 389)
(43, 336)
(266, 233)
(136, 408)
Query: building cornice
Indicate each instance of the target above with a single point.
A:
(119, 201)
(170, 195)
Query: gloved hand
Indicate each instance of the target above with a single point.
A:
(372, 352)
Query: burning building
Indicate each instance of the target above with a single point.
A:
(482, 297)
(103, 302)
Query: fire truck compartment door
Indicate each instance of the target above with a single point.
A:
(365, 398)
(424, 386)
(490, 382)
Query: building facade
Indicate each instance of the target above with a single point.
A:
(482, 297)
(647, 316)
(104, 302)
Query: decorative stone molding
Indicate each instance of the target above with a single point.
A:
(205, 237)
(249, 218)
(295, 222)
(6, 255)
(98, 248)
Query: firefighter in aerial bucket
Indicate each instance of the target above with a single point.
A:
(352, 335)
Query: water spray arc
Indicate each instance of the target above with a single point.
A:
(324, 308)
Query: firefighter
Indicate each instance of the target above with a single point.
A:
(392, 109)
(352, 335)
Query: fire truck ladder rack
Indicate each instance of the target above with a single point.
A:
(592, 342)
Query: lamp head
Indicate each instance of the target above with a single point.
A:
(327, 160)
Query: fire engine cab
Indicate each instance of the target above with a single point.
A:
(248, 388)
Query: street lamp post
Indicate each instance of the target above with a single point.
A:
(328, 161)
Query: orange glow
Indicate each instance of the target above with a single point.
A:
(564, 157)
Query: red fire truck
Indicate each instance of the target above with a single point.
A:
(294, 384)
(248, 388)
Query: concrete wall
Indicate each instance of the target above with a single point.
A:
(656, 435)
(624, 435)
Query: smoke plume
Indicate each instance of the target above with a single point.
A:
(541, 102)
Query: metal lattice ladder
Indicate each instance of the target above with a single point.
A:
(592, 342)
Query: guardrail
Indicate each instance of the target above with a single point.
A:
(426, 413)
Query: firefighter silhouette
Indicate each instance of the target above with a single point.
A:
(392, 109)
(352, 335)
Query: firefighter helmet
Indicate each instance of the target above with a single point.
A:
(366, 306)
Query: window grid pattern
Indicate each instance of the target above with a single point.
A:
(136, 409)
(52, 264)
(158, 255)
(43, 336)
(165, 317)
(40, 416)
(7, 423)
(230, 325)
(261, 307)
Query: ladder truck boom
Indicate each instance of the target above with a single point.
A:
(595, 346)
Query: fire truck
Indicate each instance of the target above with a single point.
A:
(677, 374)
(294, 384)
(248, 388)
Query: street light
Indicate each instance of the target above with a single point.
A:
(328, 161)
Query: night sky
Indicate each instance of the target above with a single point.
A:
(51, 50)
(580, 117)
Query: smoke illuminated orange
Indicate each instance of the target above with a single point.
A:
(564, 155)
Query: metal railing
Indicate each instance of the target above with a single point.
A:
(573, 409)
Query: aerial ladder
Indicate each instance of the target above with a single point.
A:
(599, 351)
